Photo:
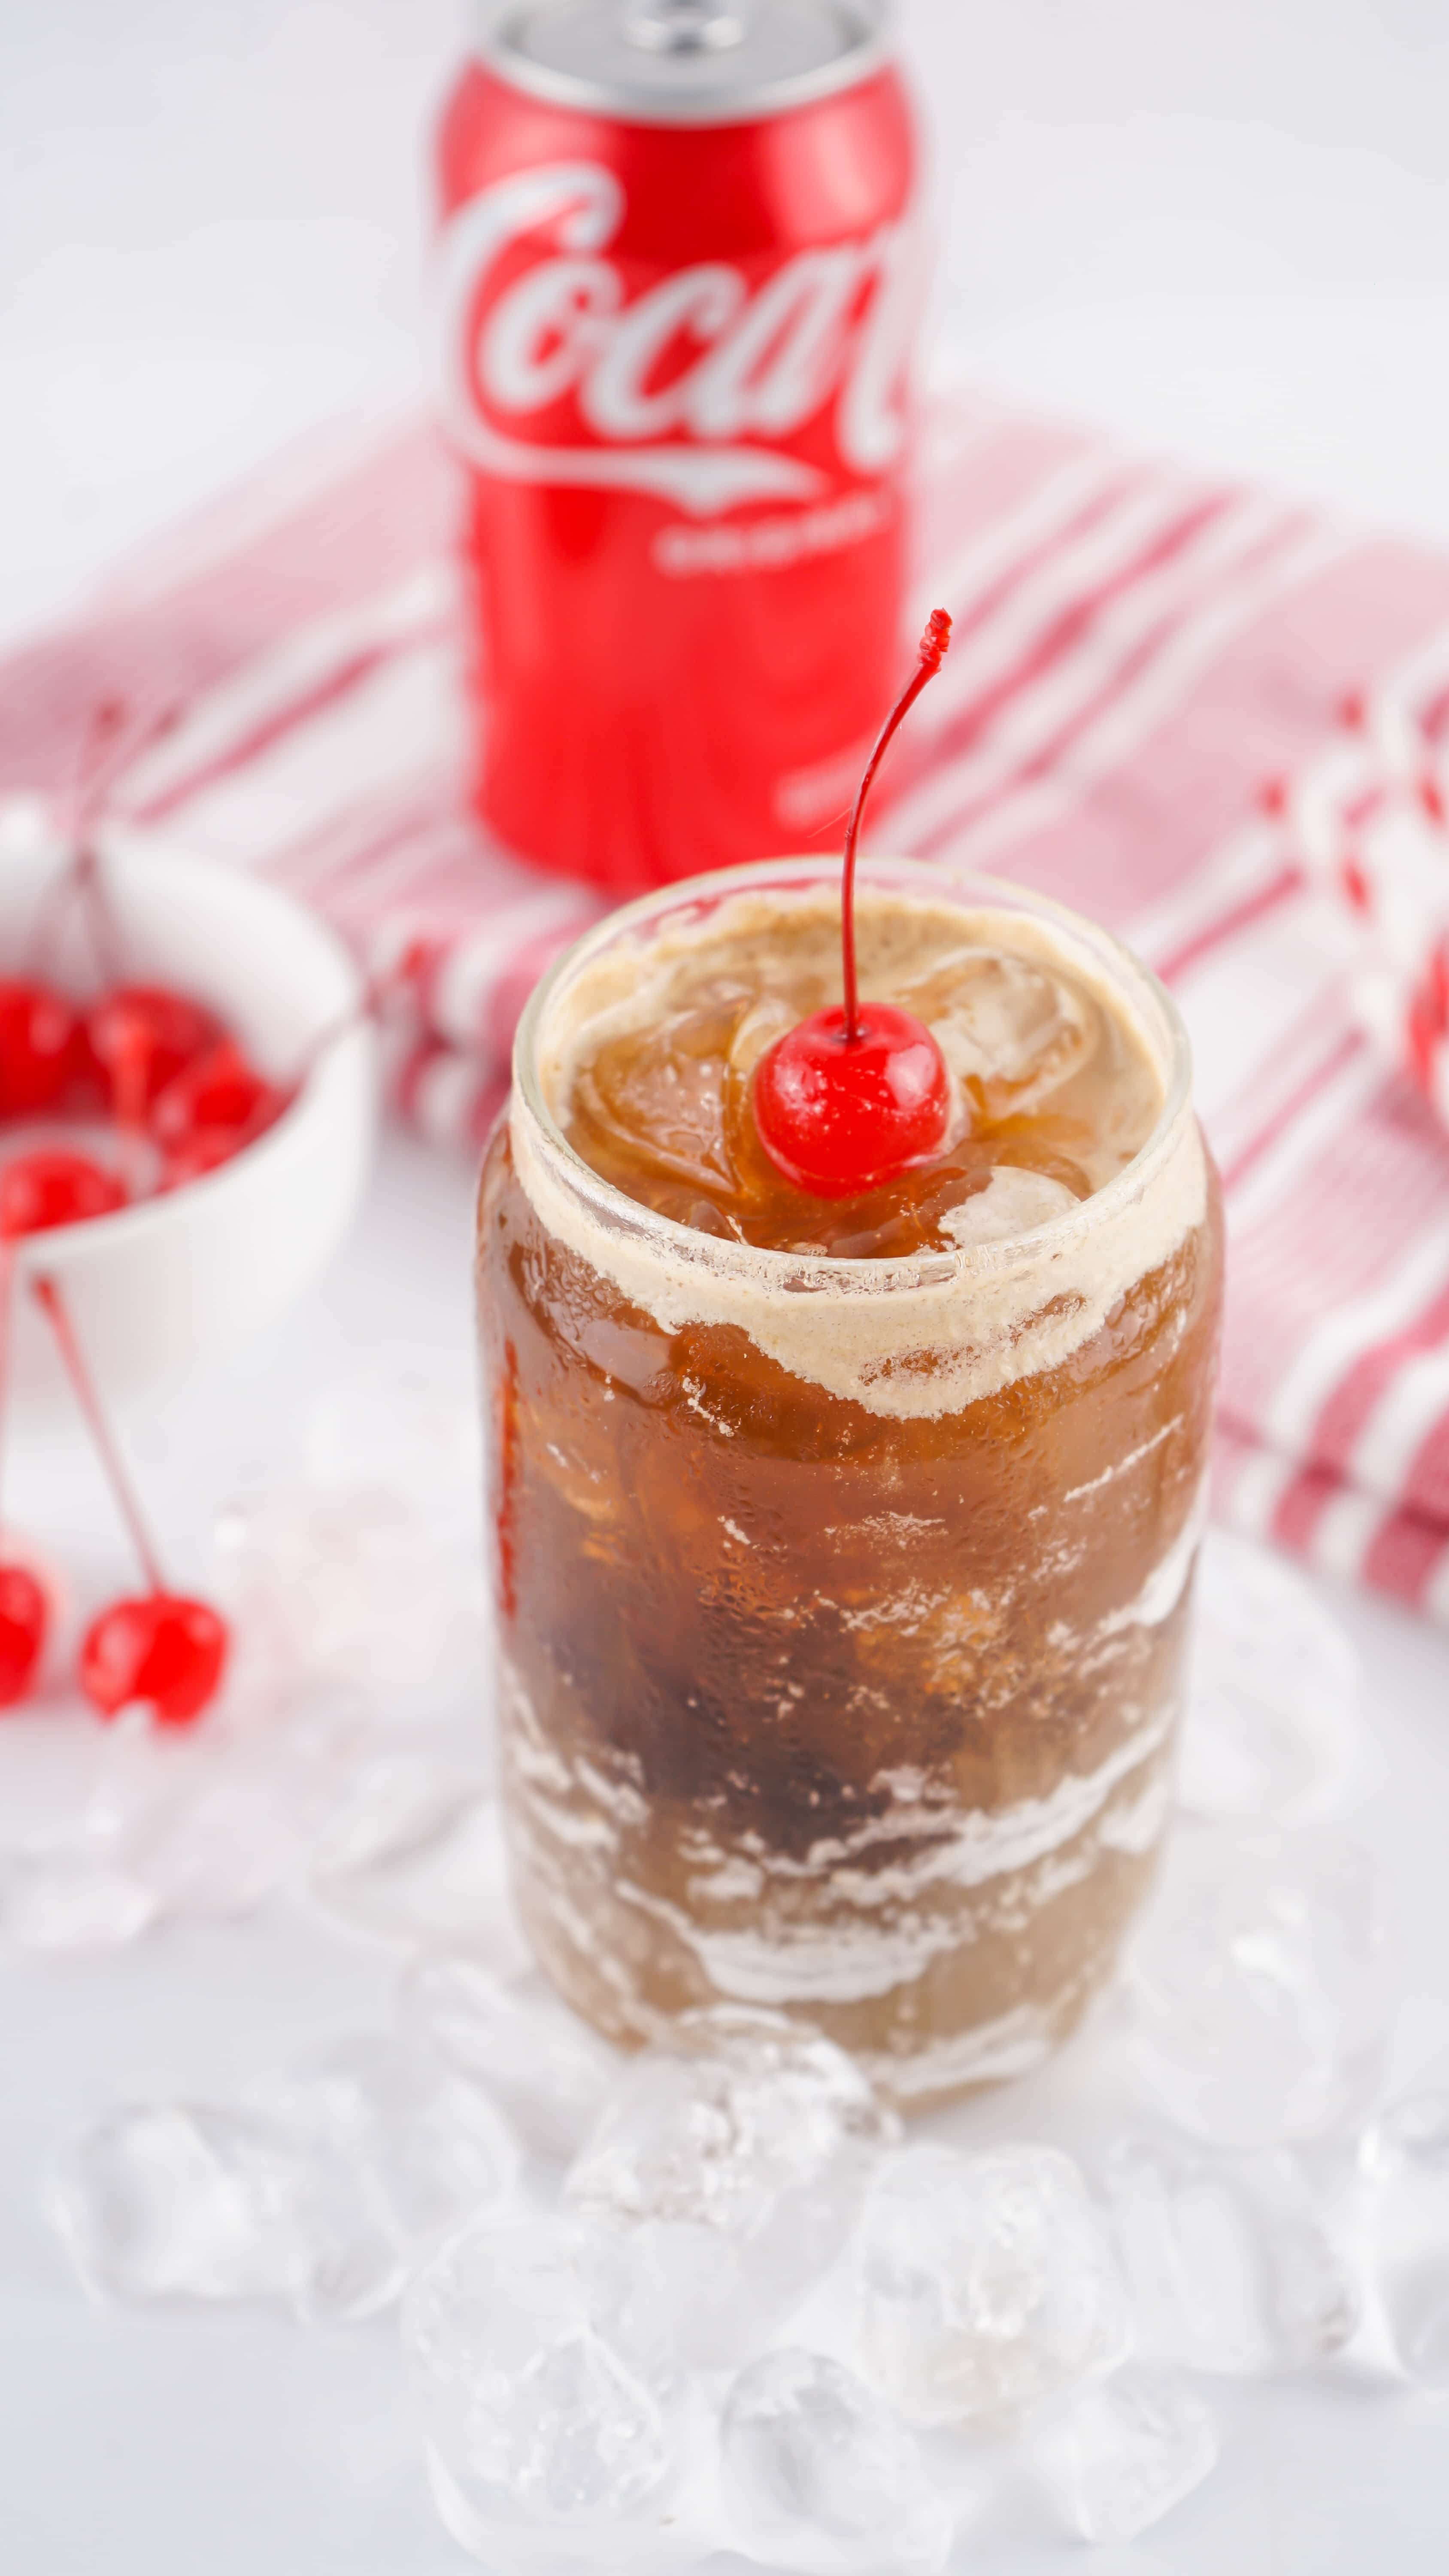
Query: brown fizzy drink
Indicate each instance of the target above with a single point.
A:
(843, 1546)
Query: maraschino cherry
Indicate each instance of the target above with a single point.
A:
(37, 1047)
(53, 1187)
(24, 1603)
(217, 1094)
(24, 1621)
(855, 1095)
(177, 1083)
(159, 1648)
(142, 1036)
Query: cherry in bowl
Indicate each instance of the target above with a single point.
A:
(182, 1277)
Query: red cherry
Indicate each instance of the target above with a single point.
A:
(37, 1047)
(209, 1149)
(197, 1155)
(854, 1096)
(52, 1187)
(160, 1649)
(218, 1089)
(24, 1620)
(88, 1085)
(141, 1035)
(839, 1115)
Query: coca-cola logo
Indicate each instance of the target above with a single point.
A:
(692, 389)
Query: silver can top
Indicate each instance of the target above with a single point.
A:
(684, 62)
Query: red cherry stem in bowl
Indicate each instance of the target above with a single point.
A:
(48, 1297)
(379, 989)
(114, 739)
(98, 768)
(933, 648)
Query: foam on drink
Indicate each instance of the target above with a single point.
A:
(645, 1065)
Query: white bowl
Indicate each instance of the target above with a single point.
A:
(163, 1287)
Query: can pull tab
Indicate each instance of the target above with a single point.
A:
(683, 26)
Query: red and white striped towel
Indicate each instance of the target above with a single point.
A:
(1203, 714)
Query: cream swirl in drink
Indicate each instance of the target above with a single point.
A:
(843, 1544)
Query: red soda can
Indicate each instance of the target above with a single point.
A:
(679, 276)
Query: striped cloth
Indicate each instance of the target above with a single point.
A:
(1204, 714)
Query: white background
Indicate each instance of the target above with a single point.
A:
(1220, 225)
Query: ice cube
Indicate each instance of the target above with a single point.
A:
(1260, 1983)
(818, 2475)
(580, 2435)
(73, 1901)
(1230, 2265)
(983, 2282)
(1315, 2293)
(211, 1821)
(1190, 2254)
(734, 2109)
(1005, 1025)
(323, 2188)
(1406, 2155)
(546, 2446)
(342, 1590)
(184, 2201)
(489, 2303)
(512, 2035)
(416, 1856)
(684, 2297)
(1273, 1684)
(410, 2151)
(753, 2138)
(1133, 2447)
(660, 1093)
(1012, 1202)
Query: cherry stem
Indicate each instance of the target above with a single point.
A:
(47, 1295)
(129, 1092)
(933, 653)
(111, 743)
(114, 742)
(377, 992)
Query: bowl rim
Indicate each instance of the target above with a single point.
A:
(131, 847)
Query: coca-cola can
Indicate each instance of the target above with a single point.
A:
(679, 280)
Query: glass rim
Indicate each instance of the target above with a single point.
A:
(766, 1262)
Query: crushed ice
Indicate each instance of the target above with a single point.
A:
(352, 1752)
(705, 2299)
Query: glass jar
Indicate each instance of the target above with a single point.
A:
(843, 1603)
